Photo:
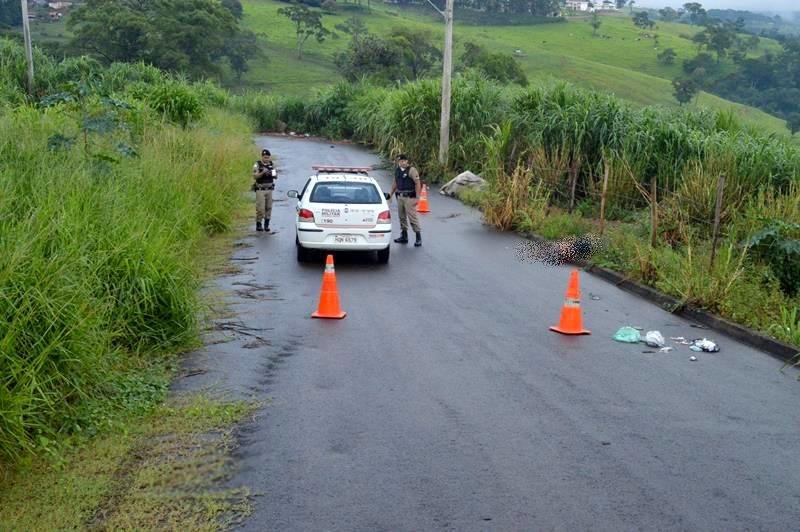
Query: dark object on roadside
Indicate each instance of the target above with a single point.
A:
(566, 250)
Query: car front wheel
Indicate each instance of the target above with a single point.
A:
(383, 255)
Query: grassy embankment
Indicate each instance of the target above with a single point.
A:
(623, 62)
(112, 180)
(533, 144)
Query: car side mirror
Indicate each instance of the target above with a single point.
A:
(293, 194)
(386, 195)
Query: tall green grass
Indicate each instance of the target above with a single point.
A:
(98, 253)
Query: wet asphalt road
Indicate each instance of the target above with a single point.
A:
(442, 401)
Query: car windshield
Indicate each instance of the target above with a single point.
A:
(345, 192)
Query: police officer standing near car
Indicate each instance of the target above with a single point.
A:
(264, 175)
(407, 188)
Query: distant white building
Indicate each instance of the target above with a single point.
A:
(608, 5)
(578, 5)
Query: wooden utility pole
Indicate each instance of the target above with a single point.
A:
(444, 131)
(26, 32)
(447, 75)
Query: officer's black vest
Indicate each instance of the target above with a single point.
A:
(404, 181)
(265, 179)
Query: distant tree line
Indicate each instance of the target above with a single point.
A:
(192, 37)
(770, 82)
(408, 54)
(10, 13)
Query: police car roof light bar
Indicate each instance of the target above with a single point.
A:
(347, 169)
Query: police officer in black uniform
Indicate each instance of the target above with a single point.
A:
(407, 188)
(264, 175)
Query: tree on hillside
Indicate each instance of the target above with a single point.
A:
(621, 3)
(235, 7)
(668, 14)
(307, 24)
(667, 57)
(369, 56)
(719, 38)
(10, 13)
(404, 55)
(595, 23)
(189, 36)
(353, 26)
(697, 15)
(642, 20)
(685, 89)
(793, 122)
(497, 66)
(416, 51)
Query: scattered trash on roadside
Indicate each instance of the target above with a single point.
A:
(648, 352)
(594, 297)
(654, 339)
(697, 326)
(693, 358)
(677, 338)
(665, 350)
(639, 328)
(704, 345)
(628, 335)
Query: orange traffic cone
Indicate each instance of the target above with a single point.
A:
(422, 204)
(571, 321)
(329, 295)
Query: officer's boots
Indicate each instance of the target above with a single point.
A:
(418, 242)
(266, 224)
(403, 237)
(258, 226)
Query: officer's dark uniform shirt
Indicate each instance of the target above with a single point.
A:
(265, 180)
(405, 184)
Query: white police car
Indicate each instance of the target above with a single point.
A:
(342, 209)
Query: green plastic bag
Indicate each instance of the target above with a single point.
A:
(629, 335)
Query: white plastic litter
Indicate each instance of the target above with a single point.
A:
(665, 350)
(693, 358)
(705, 345)
(654, 339)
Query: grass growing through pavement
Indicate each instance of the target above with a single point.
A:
(154, 472)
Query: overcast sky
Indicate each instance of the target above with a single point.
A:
(753, 5)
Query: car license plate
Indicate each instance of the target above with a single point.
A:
(344, 239)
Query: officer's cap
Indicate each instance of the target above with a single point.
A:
(402, 157)
(265, 152)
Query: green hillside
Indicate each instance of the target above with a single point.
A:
(621, 59)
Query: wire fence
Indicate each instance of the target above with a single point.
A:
(565, 187)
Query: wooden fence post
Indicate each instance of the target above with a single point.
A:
(575, 169)
(653, 211)
(603, 198)
(717, 216)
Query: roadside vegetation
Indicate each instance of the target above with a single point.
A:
(111, 181)
(546, 150)
(262, 52)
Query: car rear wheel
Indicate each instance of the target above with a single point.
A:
(383, 255)
(303, 254)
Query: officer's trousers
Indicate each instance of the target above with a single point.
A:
(407, 208)
(263, 204)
